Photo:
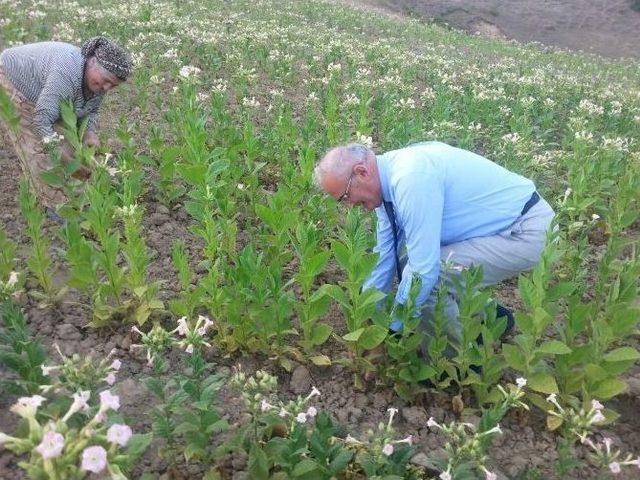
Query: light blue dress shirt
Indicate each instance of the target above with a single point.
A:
(440, 195)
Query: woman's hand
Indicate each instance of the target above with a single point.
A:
(91, 139)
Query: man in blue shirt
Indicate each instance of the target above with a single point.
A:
(440, 203)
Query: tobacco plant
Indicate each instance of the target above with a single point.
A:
(365, 327)
(39, 261)
(20, 352)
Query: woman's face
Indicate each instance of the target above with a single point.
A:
(98, 79)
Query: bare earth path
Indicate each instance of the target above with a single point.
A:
(610, 28)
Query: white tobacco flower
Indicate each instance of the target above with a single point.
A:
(189, 71)
(408, 440)
(250, 102)
(110, 378)
(51, 445)
(387, 449)
(46, 371)
(596, 405)
(109, 401)
(265, 406)
(495, 429)
(189, 348)
(301, 417)
(445, 475)
(489, 475)
(183, 328)
(119, 434)
(80, 400)
(595, 217)
(349, 440)
(283, 413)
(94, 459)
(614, 467)
(431, 423)
(26, 407)
(598, 417)
(312, 412)
(314, 393)
(13, 280)
(553, 399)
(115, 365)
(521, 382)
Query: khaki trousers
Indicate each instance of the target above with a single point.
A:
(28, 146)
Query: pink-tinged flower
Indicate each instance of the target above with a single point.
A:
(521, 382)
(351, 441)
(183, 328)
(51, 445)
(614, 467)
(109, 401)
(46, 371)
(495, 429)
(110, 378)
(596, 405)
(301, 417)
(79, 403)
(387, 449)
(119, 434)
(265, 406)
(94, 459)
(489, 475)
(408, 440)
(115, 365)
(312, 412)
(314, 393)
(431, 423)
(598, 417)
(27, 407)
(445, 475)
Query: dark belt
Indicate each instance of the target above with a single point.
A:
(530, 203)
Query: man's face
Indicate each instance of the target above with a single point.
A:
(98, 79)
(360, 188)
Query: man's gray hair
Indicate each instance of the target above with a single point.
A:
(339, 161)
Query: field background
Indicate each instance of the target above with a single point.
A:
(295, 77)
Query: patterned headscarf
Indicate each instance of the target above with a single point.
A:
(109, 55)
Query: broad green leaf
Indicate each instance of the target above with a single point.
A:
(609, 388)
(622, 354)
(553, 422)
(514, 357)
(372, 336)
(304, 467)
(542, 382)
(321, 360)
(554, 347)
(353, 336)
(321, 332)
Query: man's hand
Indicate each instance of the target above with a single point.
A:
(91, 139)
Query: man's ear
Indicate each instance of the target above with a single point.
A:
(360, 170)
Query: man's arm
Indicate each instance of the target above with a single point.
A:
(382, 275)
(419, 205)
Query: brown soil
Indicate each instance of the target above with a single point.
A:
(610, 28)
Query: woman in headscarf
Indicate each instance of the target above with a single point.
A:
(37, 77)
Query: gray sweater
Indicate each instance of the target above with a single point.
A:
(47, 73)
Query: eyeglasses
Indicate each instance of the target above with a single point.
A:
(345, 195)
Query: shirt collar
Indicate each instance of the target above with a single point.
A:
(384, 171)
